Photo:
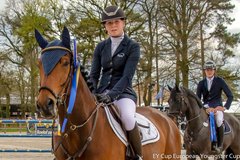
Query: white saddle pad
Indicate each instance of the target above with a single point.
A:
(148, 131)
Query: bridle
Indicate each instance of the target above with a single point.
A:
(62, 95)
(73, 128)
(61, 99)
(189, 133)
(180, 113)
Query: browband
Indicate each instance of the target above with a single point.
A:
(56, 47)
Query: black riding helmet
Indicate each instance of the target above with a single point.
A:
(112, 12)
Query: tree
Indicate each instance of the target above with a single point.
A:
(17, 31)
(182, 19)
(175, 36)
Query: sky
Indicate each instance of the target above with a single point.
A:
(2, 3)
(235, 27)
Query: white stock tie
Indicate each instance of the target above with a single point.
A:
(209, 84)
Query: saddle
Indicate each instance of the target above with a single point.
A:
(227, 128)
(148, 131)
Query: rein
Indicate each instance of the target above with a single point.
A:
(88, 139)
(193, 118)
(66, 98)
(190, 120)
(69, 91)
(192, 133)
(179, 113)
(68, 110)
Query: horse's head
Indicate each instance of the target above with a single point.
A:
(55, 65)
(176, 101)
(183, 102)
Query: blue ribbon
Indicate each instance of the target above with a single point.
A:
(72, 98)
(64, 125)
(213, 136)
(73, 92)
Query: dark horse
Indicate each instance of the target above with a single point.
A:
(183, 102)
(88, 135)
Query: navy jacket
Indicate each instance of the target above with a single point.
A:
(213, 97)
(115, 73)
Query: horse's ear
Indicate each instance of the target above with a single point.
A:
(65, 37)
(169, 88)
(41, 41)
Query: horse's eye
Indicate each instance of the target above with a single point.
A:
(66, 63)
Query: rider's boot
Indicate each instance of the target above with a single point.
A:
(218, 147)
(135, 142)
(220, 131)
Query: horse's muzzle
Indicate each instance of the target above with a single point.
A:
(47, 109)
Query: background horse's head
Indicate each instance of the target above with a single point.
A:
(182, 101)
(176, 102)
(55, 65)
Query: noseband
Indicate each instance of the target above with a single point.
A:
(60, 99)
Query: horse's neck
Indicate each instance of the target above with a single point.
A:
(192, 112)
(82, 119)
(83, 106)
(195, 117)
(85, 103)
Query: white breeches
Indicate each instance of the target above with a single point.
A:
(219, 118)
(127, 110)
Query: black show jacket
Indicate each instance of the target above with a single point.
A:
(213, 97)
(115, 73)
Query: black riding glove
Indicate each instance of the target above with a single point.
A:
(103, 98)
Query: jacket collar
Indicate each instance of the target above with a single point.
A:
(119, 49)
(121, 45)
(213, 79)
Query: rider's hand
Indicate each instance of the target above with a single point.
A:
(219, 108)
(208, 110)
(103, 98)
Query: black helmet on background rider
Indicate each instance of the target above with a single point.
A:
(111, 13)
(209, 65)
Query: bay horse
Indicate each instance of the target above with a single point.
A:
(87, 135)
(183, 102)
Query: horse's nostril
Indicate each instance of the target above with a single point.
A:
(50, 103)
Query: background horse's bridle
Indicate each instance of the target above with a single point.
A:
(179, 113)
